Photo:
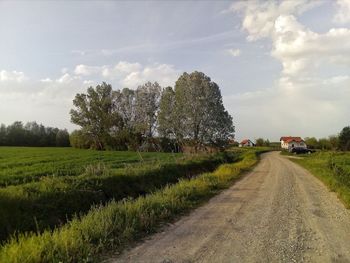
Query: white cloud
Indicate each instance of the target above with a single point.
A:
(234, 52)
(12, 76)
(310, 85)
(164, 74)
(342, 15)
(260, 16)
(49, 100)
(47, 80)
(123, 67)
(66, 78)
(129, 74)
(46, 100)
(85, 70)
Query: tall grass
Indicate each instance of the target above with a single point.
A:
(118, 223)
(333, 169)
(27, 164)
(54, 200)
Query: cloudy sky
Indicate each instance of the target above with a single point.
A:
(283, 66)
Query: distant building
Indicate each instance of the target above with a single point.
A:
(246, 143)
(289, 142)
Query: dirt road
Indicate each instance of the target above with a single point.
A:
(277, 213)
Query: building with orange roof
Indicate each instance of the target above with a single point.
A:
(289, 142)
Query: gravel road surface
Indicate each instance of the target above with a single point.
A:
(279, 212)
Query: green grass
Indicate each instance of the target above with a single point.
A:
(119, 223)
(332, 168)
(20, 165)
(53, 200)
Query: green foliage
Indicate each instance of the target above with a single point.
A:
(80, 140)
(330, 143)
(32, 134)
(54, 199)
(167, 119)
(324, 144)
(116, 224)
(147, 99)
(127, 119)
(21, 165)
(262, 142)
(333, 168)
(344, 139)
(95, 113)
(311, 142)
(200, 113)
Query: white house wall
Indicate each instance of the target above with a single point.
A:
(286, 145)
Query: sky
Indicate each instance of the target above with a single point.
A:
(283, 66)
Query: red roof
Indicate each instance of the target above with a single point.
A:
(290, 139)
(245, 141)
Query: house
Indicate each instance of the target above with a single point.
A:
(289, 142)
(246, 143)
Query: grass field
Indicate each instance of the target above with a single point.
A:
(114, 225)
(333, 168)
(20, 165)
(48, 199)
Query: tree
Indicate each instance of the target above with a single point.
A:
(311, 142)
(334, 141)
(16, 134)
(125, 106)
(324, 144)
(80, 140)
(167, 119)
(199, 106)
(344, 139)
(96, 113)
(146, 108)
(259, 142)
(3, 135)
(62, 138)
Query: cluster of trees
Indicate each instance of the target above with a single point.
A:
(32, 134)
(333, 142)
(262, 142)
(152, 118)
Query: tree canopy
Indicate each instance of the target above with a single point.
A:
(200, 114)
(192, 112)
(344, 139)
(32, 134)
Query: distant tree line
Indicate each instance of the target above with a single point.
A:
(32, 134)
(262, 142)
(152, 117)
(333, 142)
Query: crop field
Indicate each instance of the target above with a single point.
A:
(20, 165)
(132, 204)
(43, 188)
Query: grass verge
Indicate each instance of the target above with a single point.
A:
(118, 223)
(333, 169)
(52, 201)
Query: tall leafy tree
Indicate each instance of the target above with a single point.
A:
(146, 108)
(125, 105)
(344, 139)
(96, 113)
(167, 118)
(334, 141)
(200, 108)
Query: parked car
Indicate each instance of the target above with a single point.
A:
(301, 150)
